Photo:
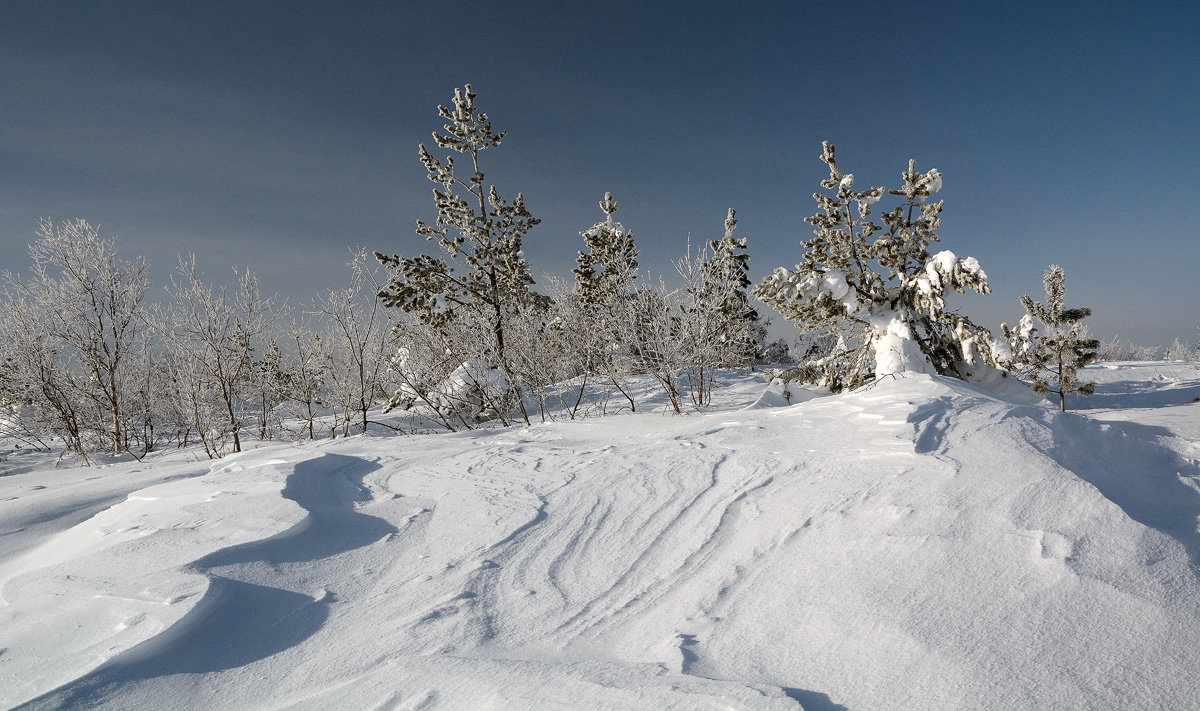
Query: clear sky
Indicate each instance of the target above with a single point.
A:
(275, 135)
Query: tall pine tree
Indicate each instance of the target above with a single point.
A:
(482, 277)
(726, 277)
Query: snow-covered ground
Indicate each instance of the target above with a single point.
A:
(916, 544)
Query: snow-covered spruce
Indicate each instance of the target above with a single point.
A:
(877, 287)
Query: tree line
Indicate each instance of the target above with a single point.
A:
(464, 335)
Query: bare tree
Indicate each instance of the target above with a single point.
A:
(87, 303)
(357, 339)
(214, 335)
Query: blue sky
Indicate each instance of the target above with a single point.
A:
(276, 137)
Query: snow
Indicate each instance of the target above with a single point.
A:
(830, 282)
(918, 543)
(603, 229)
(933, 180)
(469, 389)
(972, 266)
(896, 351)
(946, 269)
(942, 262)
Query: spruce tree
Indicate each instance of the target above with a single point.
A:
(877, 287)
(1052, 361)
(482, 277)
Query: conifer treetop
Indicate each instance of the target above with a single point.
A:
(468, 129)
(608, 205)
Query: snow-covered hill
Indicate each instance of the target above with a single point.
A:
(916, 544)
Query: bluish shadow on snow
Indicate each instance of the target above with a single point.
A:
(238, 622)
(1122, 395)
(1127, 462)
(812, 700)
(1131, 468)
(326, 487)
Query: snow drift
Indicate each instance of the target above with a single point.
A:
(916, 544)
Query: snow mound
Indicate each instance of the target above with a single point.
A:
(914, 544)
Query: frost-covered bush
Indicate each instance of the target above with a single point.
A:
(1178, 350)
(877, 288)
(1114, 349)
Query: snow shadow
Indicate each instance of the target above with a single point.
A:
(1122, 395)
(1127, 462)
(239, 622)
(327, 488)
(812, 700)
(1132, 469)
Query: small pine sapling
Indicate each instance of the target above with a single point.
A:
(1052, 360)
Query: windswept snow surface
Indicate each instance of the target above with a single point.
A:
(916, 544)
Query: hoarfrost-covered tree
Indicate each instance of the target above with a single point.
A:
(1052, 359)
(698, 324)
(357, 338)
(40, 390)
(653, 334)
(270, 383)
(607, 266)
(575, 351)
(878, 287)
(85, 305)
(483, 277)
(726, 277)
(214, 336)
(305, 375)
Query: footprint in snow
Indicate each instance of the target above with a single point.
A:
(1056, 546)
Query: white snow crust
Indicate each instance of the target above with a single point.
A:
(915, 544)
